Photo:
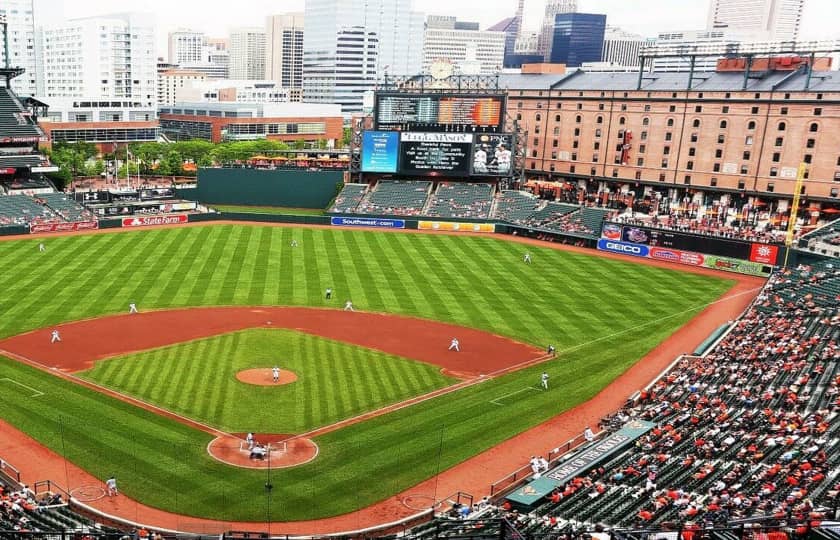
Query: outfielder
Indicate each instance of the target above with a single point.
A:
(527, 258)
(41, 247)
(328, 293)
(544, 380)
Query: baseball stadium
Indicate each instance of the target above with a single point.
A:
(429, 334)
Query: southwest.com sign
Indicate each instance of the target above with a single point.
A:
(368, 222)
(625, 248)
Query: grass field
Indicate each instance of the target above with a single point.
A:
(564, 298)
(281, 210)
(335, 380)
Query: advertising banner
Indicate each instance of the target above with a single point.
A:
(611, 231)
(367, 222)
(380, 151)
(492, 154)
(145, 221)
(677, 256)
(736, 265)
(456, 227)
(764, 253)
(625, 248)
(63, 227)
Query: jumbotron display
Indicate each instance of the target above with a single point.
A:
(439, 112)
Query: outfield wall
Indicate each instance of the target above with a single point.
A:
(261, 187)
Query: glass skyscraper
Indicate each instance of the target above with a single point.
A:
(350, 44)
(578, 38)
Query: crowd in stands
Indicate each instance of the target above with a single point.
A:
(749, 430)
(709, 226)
(396, 198)
(461, 200)
(41, 209)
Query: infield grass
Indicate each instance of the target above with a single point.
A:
(602, 315)
(335, 380)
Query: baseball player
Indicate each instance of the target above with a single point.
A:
(111, 484)
(250, 440)
(55, 337)
(41, 247)
(588, 435)
(328, 293)
(132, 308)
(348, 306)
(527, 258)
(294, 243)
(275, 373)
(544, 380)
(454, 345)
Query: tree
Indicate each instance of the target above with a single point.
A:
(73, 157)
(299, 144)
(346, 137)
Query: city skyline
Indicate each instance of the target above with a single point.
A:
(645, 17)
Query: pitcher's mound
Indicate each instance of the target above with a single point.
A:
(264, 377)
(283, 450)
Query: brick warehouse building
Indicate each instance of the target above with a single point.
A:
(705, 132)
(287, 122)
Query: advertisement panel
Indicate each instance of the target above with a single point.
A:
(625, 248)
(145, 221)
(635, 235)
(63, 227)
(431, 154)
(456, 227)
(492, 154)
(611, 231)
(678, 256)
(764, 253)
(367, 222)
(380, 151)
(736, 265)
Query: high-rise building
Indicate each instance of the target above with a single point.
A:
(456, 41)
(284, 50)
(247, 53)
(775, 19)
(337, 69)
(511, 26)
(171, 81)
(578, 38)
(185, 46)
(19, 16)
(546, 36)
(109, 56)
(621, 48)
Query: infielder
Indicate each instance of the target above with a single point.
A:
(348, 306)
(275, 373)
(111, 484)
(544, 380)
(55, 337)
(132, 308)
(455, 345)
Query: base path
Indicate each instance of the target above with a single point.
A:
(473, 476)
(85, 342)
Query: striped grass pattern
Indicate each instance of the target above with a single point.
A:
(605, 313)
(335, 380)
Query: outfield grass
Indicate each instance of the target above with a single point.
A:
(335, 380)
(281, 210)
(564, 298)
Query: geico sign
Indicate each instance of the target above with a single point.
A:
(624, 247)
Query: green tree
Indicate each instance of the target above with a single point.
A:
(299, 144)
(73, 157)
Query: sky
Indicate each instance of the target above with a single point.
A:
(645, 17)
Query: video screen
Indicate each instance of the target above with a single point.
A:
(492, 154)
(380, 151)
(432, 154)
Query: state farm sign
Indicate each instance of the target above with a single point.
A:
(146, 221)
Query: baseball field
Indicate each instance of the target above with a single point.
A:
(602, 315)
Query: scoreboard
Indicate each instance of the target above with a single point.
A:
(439, 112)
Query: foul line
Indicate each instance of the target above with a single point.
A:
(36, 393)
(496, 401)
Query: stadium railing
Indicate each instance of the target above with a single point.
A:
(9, 471)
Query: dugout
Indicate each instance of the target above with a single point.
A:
(265, 187)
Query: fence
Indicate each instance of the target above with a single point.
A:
(10, 472)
